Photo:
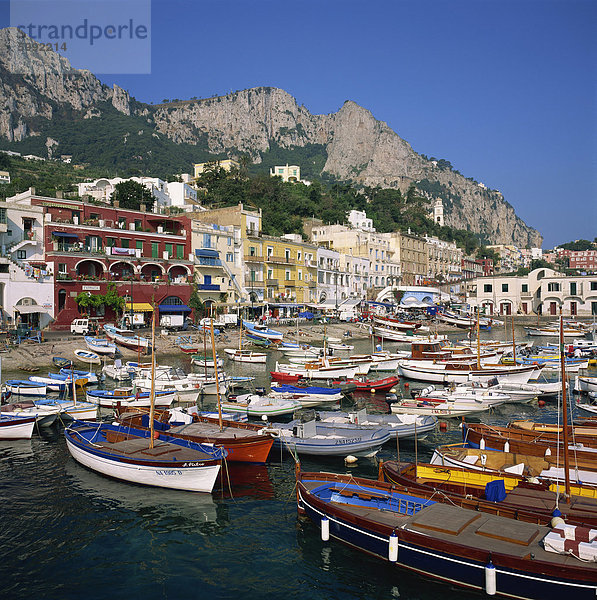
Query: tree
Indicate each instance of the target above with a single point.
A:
(131, 194)
(196, 304)
(113, 300)
(87, 300)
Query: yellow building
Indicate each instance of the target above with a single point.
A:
(227, 164)
(289, 173)
(290, 270)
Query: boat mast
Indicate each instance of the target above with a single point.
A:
(513, 341)
(478, 342)
(152, 394)
(565, 411)
(215, 359)
(240, 336)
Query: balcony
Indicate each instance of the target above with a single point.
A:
(252, 258)
(253, 232)
(208, 287)
(208, 262)
(281, 260)
(271, 282)
(289, 283)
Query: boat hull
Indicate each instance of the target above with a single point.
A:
(16, 428)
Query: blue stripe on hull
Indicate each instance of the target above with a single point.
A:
(459, 571)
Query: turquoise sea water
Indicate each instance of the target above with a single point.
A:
(69, 533)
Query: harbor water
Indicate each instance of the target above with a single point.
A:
(69, 533)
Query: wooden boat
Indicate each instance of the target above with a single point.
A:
(87, 356)
(128, 340)
(462, 547)
(187, 390)
(437, 407)
(397, 324)
(321, 439)
(246, 356)
(317, 371)
(469, 394)
(52, 384)
(29, 368)
(243, 442)
(131, 455)
(13, 427)
(308, 396)
(400, 426)
(24, 387)
(500, 493)
(61, 362)
(517, 392)
(546, 466)
(586, 384)
(553, 332)
(260, 406)
(262, 331)
(285, 377)
(77, 373)
(100, 345)
(340, 347)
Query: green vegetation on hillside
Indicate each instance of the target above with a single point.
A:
(579, 245)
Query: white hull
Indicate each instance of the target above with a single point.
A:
(259, 406)
(451, 409)
(193, 479)
(160, 401)
(586, 384)
(323, 373)
(16, 430)
(245, 356)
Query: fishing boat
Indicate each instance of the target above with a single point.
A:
(206, 360)
(77, 374)
(128, 340)
(437, 407)
(132, 455)
(243, 442)
(52, 384)
(246, 356)
(320, 439)
(253, 405)
(61, 362)
(400, 426)
(543, 465)
(262, 331)
(516, 392)
(510, 495)
(87, 356)
(25, 387)
(118, 372)
(308, 396)
(553, 332)
(14, 427)
(395, 323)
(586, 384)
(43, 415)
(128, 398)
(186, 389)
(340, 347)
(100, 345)
(492, 398)
(319, 371)
(376, 385)
(462, 547)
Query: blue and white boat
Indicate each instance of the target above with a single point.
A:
(52, 384)
(77, 374)
(100, 345)
(308, 396)
(321, 439)
(87, 356)
(16, 427)
(130, 455)
(24, 387)
(128, 398)
(262, 331)
(462, 547)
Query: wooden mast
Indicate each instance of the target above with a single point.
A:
(478, 342)
(152, 394)
(565, 411)
(215, 359)
(513, 341)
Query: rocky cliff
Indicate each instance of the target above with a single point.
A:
(37, 85)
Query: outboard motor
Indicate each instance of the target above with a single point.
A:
(391, 397)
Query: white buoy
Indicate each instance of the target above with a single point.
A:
(548, 452)
(325, 529)
(350, 459)
(393, 548)
(490, 579)
(482, 444)
(264, 417)
(392, 390)
(506, 446)
(557, 522)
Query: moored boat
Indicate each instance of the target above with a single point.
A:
(100, 345)
(14, 427)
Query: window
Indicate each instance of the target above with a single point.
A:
(175, 300)
(21, 254)
(207, 240)
(138, 225)
(270, 273)
(62, 268)
(229, 257)
(252, 251)
(525, 288)
(504, 287)
(594, 308)
(155, 249)
(229, 241)
(553, 287)
(287, 275)
(169, 249)
(124, 243)
(180, 251)
(287, 255)
(487, 288)
(270, 252)
(573, 288)
(298, 255)
(593, 286)
(110, 242)
(121, 223)
(300, 275)
(139, 244)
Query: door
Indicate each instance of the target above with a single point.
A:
(552, 308)
(525, 308)
(573, 309)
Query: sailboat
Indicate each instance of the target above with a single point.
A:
(145, 456)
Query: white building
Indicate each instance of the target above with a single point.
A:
(26, 281)
(182, 195)
(288, 173)
(4, 177)
(437, 214)
(443, 258)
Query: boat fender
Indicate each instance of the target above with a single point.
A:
(506, 446)
(483, 459)
(325, 529)
(482, 444)
(558, 522)
(490, 579)
(548, 452)
(393, 547)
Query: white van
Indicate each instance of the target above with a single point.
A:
(80, 326)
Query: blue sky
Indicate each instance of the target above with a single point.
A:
(506, 91)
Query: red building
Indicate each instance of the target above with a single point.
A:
(487, 265)
(146, 255)
(585, 260)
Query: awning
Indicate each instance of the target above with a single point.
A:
(27, 310)
(207, 253)
(139, 307)
(350, 303)
(386, 304)
(174, 308)
(64, 234)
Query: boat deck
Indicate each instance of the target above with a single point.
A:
(212, 430)
(139, 448)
